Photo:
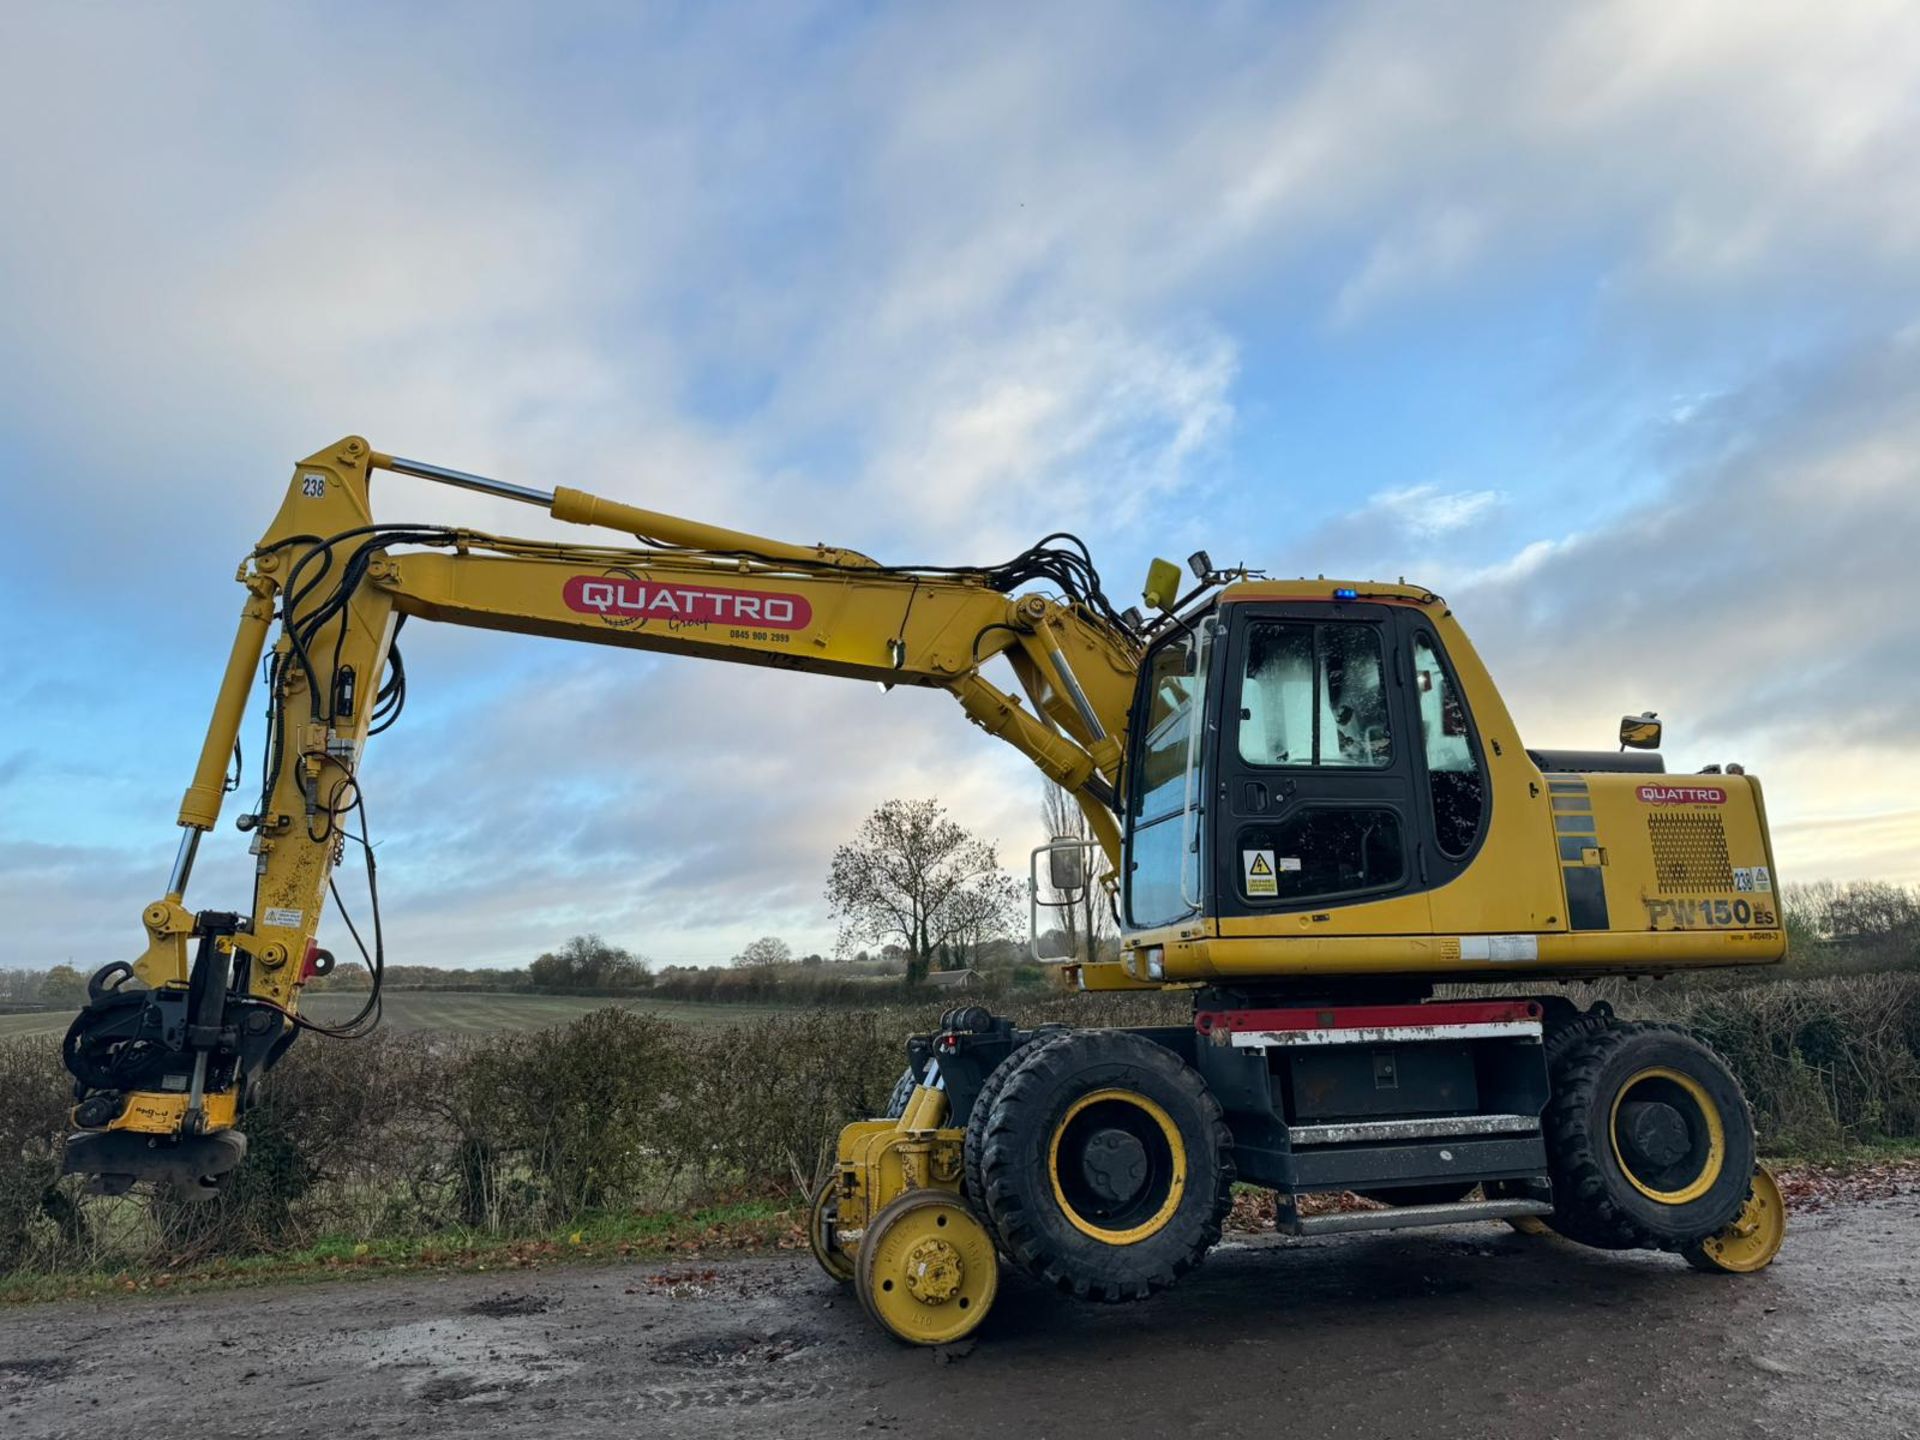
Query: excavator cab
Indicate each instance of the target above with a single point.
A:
(1322, 780)
(1335, 762)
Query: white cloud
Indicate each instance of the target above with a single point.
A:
(1072, 423)
(1424, 258)
(1426, 511)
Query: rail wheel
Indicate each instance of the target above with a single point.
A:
(1106, 1165)
(927, 1269)
(1753, 1238)
(832, 1258)
(1649, 1140)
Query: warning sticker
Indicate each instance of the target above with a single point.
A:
(1257, 872)
(1504, 948)
(283, 919)
(1762, 879)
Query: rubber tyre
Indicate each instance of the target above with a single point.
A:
(1021, 1197)
(903, 1089)
(1596, 1203)
(976, 1137)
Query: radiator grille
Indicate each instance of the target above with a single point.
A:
(1689, 853)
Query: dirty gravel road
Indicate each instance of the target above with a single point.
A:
(1469, 1332)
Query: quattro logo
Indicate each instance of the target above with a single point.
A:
(628, 601)
(1683, 795)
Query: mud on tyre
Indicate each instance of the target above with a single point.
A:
(1649, 1139)
(1106, 1166)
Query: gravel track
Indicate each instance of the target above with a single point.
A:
(1466, 1332)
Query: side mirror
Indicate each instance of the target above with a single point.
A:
(1640, 732)
(1067, 868)
(1066, 877)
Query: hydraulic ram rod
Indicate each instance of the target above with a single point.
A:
(421, 470)
(582, 508)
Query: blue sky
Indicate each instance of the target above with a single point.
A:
(1600, 319)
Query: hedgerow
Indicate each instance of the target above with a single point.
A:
(398, 1136)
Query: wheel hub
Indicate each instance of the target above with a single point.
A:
(934, 1272)
(1653, 1133)
(1115, 1165)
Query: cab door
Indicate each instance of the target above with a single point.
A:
(1320, 794)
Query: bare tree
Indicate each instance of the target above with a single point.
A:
(981, 914)
(1088, 923)
(767, 950)
(916, 878)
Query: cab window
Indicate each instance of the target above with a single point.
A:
(1160, 768)
(1163, 866)
(1453, 769)
(1314, 695)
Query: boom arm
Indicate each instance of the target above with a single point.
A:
(176, 1060)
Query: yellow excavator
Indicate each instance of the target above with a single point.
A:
(1313, 809)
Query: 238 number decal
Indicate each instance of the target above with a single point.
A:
(313, 486)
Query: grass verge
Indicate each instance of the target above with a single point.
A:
(1810, 1184)
(752, 1227)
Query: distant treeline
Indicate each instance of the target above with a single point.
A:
(589, 965)
(1862, 925)
(785, 985)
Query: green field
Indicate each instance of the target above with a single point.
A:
(461, 1013)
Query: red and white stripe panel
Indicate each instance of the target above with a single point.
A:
(1371, 1024)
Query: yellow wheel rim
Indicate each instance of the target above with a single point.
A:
(1754, 1237)
(835, 1261)
(1164, 1154)
(1706, 1136)
(927, 1270)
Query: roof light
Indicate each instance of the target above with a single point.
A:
(1343, 593)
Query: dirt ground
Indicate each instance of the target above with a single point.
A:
(1465, 1332)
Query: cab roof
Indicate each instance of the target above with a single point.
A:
(1321, 588)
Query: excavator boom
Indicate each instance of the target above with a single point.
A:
(174, 1056)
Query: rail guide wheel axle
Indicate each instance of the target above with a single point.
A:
(927, 1269)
